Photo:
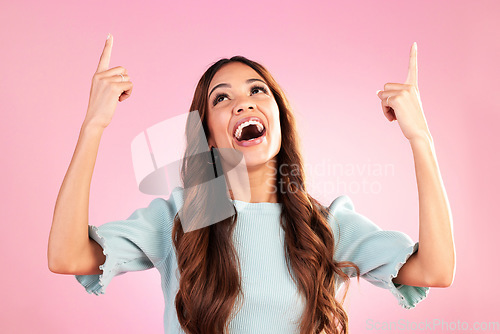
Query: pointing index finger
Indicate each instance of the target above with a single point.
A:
(106, 55)
(412, 67)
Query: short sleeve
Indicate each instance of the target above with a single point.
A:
(379, 254)
(140, 242)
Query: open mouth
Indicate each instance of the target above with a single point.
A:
(249, 131)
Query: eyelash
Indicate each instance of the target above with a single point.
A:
(262, 88)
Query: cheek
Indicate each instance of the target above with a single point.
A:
(218, 126)
(276, 116)
(270, 107)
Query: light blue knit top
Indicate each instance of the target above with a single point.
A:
(271, 301)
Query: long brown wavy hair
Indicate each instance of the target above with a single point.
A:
(208, 264)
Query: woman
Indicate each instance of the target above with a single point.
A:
(236, 252)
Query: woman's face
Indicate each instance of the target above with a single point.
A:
(236, 93)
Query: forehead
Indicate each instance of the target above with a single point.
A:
(234, 73)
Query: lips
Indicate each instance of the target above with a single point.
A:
(246, 119)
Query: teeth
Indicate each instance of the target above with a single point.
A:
(259, 125)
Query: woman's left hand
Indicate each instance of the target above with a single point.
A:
(402, 102)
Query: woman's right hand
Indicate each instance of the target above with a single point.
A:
(107, 89)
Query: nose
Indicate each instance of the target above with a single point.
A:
(242, 105)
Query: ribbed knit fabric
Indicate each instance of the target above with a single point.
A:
(271, 301)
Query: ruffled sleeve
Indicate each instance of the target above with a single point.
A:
(379, 254)
(139, 242)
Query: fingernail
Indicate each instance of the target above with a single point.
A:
(109, 35)
(378, 91)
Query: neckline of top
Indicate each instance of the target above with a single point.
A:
(258, 206)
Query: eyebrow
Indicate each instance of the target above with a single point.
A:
(228, 85)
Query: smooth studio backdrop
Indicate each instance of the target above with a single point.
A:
(329, 57)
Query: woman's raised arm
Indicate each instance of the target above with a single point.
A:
(434, 263)
(70, 250)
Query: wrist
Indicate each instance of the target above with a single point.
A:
(91, 125)
(422, 138)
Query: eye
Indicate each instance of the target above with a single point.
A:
(262, 88)
(217, 98)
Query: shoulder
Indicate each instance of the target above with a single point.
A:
(159, 214)
(346, 221)
(341, 203)
(341, 209)
(169, 206)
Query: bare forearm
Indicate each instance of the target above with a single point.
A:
(436, 252)
(69, 232)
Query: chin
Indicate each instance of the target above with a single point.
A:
(258, 157)
(254, 155)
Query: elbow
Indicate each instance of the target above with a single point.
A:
(444, 280)
(52, 262)
(60, 269)
(443, 275)
(442, 283)
(54, 268)
(449, 276)
(58, 262)
(57, 266)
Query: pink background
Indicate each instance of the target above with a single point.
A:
(330, 58)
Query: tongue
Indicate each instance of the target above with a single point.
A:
(250, 132)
